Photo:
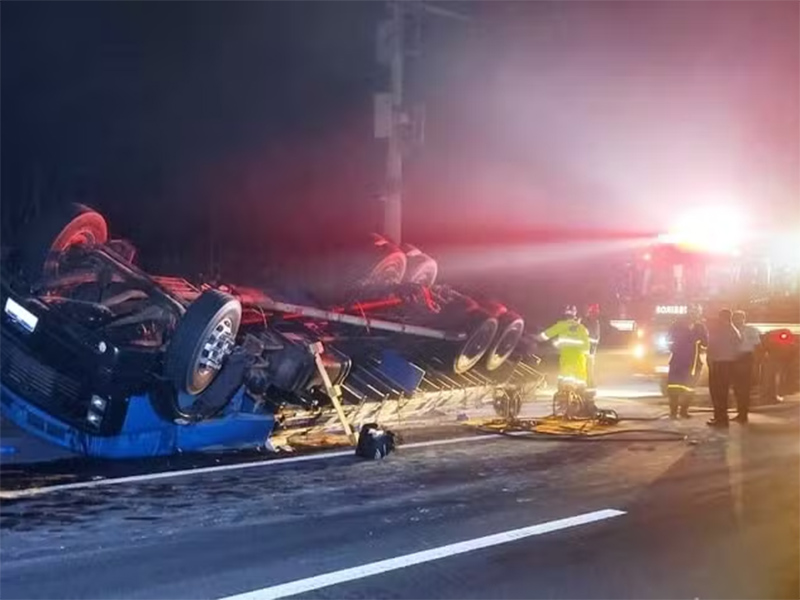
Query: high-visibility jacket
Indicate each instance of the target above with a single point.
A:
(572, 340)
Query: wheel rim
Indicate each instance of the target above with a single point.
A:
(476, 346)
(388, 271)
(425, 275)
(216, 345)
(505, 344)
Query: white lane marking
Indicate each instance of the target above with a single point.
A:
(27, 492)
(308, 584)
(734, 456)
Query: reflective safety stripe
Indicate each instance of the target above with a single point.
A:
(594, 340)
(570, 379)
(696, 356)
(677, 386)
(562, 341)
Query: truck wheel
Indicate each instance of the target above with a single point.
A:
(204, 337)
(56, 232)
(421, 269)
(510, 326)
(479, 338)
(507, 403)
(386, 266)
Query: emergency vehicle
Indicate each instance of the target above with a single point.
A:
(676, 273)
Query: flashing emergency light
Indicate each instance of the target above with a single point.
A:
(713, 229)
(780, 339)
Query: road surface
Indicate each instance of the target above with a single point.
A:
(712, 517)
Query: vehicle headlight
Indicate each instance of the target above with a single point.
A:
(98, 403)
(639, 351)
(662, 343)
(97, 406)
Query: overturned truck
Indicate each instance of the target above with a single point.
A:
(103, 359)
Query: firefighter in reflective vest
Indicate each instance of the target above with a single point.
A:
(571, 339)
(592, 324)
(687, 338)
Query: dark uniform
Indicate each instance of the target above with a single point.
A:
(686, 341)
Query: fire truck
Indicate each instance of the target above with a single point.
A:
(674, 273)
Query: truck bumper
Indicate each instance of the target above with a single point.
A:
(144, 433)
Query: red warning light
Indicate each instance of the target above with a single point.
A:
(781, 337)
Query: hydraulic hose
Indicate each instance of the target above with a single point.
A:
(581, 434)
(606, 436)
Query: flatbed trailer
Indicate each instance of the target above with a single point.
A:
(103, 359)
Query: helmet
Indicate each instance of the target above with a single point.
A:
(593, 310)
(570, 311)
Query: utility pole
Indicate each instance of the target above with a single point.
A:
(389, 116)
(393, 121)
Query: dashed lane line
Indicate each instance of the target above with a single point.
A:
(302, 586)
(274, 462)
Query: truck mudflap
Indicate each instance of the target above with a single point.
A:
(145, 433)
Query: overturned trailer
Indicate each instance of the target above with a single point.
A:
(103, 359)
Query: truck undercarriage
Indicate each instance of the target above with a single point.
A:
(104, 359)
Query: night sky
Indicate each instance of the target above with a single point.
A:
(256, 117)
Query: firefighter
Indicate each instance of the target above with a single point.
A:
(571, 338)
(687, 339)
(592, 323)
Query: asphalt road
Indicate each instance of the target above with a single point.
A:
(716, 518)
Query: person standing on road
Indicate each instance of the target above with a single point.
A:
(686, 340)
(743, 370)
(592, 324)
(571, 339)
(724, 341)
